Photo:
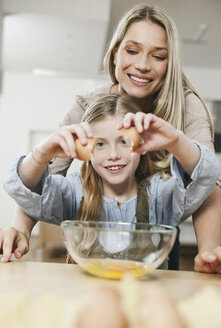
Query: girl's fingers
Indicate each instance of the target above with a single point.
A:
(87, 129)
(81, 134)
(147, 121)
(66, 142)
(67, 147)
(81, 131)
(139, 121)
(128, 120)
(62, 142)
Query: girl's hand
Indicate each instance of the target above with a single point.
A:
(208, 262)
(156, 133)
(13, 241)
(61, 143)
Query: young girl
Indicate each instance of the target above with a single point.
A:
(143, 62)
(108, 187)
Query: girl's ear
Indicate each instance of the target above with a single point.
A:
(115, 55)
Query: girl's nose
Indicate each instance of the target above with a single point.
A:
(114, 154)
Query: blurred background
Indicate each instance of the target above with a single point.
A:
(51, 50)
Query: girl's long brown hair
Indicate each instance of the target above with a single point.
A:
(92, 202)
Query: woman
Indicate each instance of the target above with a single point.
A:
(143, 61)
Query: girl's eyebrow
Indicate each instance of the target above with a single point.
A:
(100, 139)
(139, 44)
(104, 139)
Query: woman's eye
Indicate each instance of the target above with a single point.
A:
(132, 52)
(159, 58)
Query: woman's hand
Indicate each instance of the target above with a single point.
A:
(156, 133)
(208, 262)
(13, 241)
(61, 143)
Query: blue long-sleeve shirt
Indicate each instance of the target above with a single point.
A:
(170, 202)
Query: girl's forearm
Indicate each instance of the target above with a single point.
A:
(186, 152)
(31, 171)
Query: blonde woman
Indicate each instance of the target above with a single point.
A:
(143, 61)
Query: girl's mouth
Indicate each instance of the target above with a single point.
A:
(115, 168)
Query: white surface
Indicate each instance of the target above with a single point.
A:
(54, 43)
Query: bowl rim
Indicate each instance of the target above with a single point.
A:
(79, 223)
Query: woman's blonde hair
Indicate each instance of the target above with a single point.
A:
(169, 103)
(92, 202)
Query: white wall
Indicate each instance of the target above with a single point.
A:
(206, 81)
(30, 103)
(54, 43)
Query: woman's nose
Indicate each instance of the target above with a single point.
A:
(143, 63)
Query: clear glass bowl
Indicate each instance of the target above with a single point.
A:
(111, 249)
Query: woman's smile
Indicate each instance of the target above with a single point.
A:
(141, 60)
(140, 81)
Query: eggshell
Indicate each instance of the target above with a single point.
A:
(132, 136)
(102, 309)
(84, 152)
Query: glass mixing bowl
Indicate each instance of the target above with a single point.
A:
(111, 249)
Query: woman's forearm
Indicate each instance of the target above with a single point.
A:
(207, 222)
(22, 222)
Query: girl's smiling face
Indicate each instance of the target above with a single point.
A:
(112, 158)
(141, 60)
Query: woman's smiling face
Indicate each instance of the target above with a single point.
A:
(141, 60)
(111, 157)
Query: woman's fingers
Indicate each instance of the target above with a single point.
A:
(22, 249)
(209, 262)
(13, 241)
(9, 236)
(204, 262)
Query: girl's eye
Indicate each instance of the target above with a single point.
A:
(124, 142)
(132, 52)
(100, 144)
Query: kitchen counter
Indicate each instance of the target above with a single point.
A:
(70, 280)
